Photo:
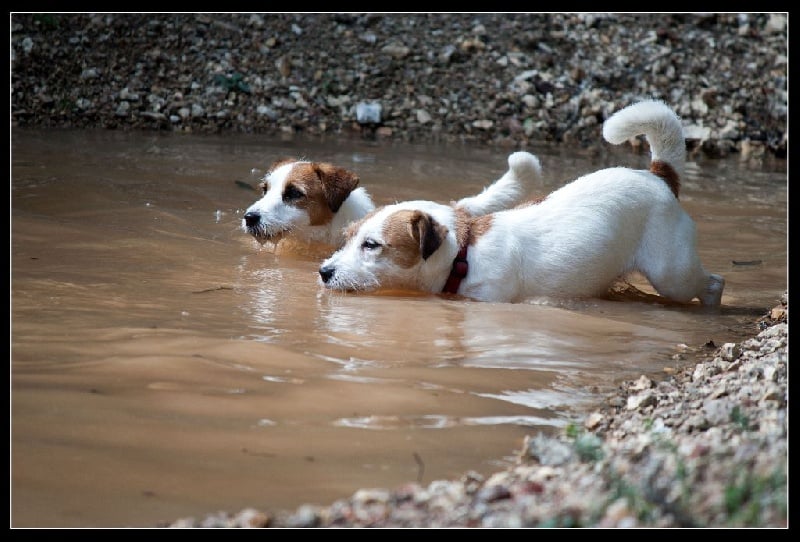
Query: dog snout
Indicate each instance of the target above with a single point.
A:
(326, 272)
(252, 218)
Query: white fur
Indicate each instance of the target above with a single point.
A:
(523, 167)
(660, 126)
(575, 243)
(277, 218)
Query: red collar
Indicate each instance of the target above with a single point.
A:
(457, 272)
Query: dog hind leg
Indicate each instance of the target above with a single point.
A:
(682, 283)
(712, 293)
(668, 258)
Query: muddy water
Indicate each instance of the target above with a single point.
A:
(164, 365)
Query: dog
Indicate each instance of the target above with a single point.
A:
(312, 202)
(575, 242)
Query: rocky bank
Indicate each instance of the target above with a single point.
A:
(496, 78)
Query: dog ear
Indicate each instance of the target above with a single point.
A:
(427, 232)
(337, 183)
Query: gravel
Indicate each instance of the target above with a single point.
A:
(502, 79)
(705, 446)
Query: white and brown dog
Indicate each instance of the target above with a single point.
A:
(314, 201)
(574, 243)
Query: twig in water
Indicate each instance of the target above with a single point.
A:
(421, 466)
(212, 289)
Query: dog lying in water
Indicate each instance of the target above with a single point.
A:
(313, 202)
(576, 242)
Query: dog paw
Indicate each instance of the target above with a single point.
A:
(712, 295)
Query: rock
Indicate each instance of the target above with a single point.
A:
(483, 124)
(643, 383)
(122, 109)
(699, 133)
(250, 518)
(396, 50)
(90, 73)
(729, 351)
(368, 113)
(305, 516)
(593, 420)
(717, 412)
(641, 400)
(546, 451)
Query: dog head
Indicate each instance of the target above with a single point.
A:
(404, 246)
(299, 197)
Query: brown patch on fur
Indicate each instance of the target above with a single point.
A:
(463, 222)
(479, 226)
(666, 172)
(469, 228)
(411, 235)
(337, 183)
(303, 178)
(325, 187)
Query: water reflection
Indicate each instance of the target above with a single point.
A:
(442, 422)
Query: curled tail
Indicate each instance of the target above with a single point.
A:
(505, 192)
(664, 133)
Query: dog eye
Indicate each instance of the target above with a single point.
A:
(369, 244)
(292, 193)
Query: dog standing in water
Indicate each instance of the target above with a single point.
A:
(315, 201)
(574, 243)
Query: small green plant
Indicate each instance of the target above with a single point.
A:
(560, 522)
(232, 82)
(589, 447)
(636, 500)
(747, 496)
(46, 20)
(572, 431)
(739, 418)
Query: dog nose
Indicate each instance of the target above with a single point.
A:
(326, 272)
(252, 218)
